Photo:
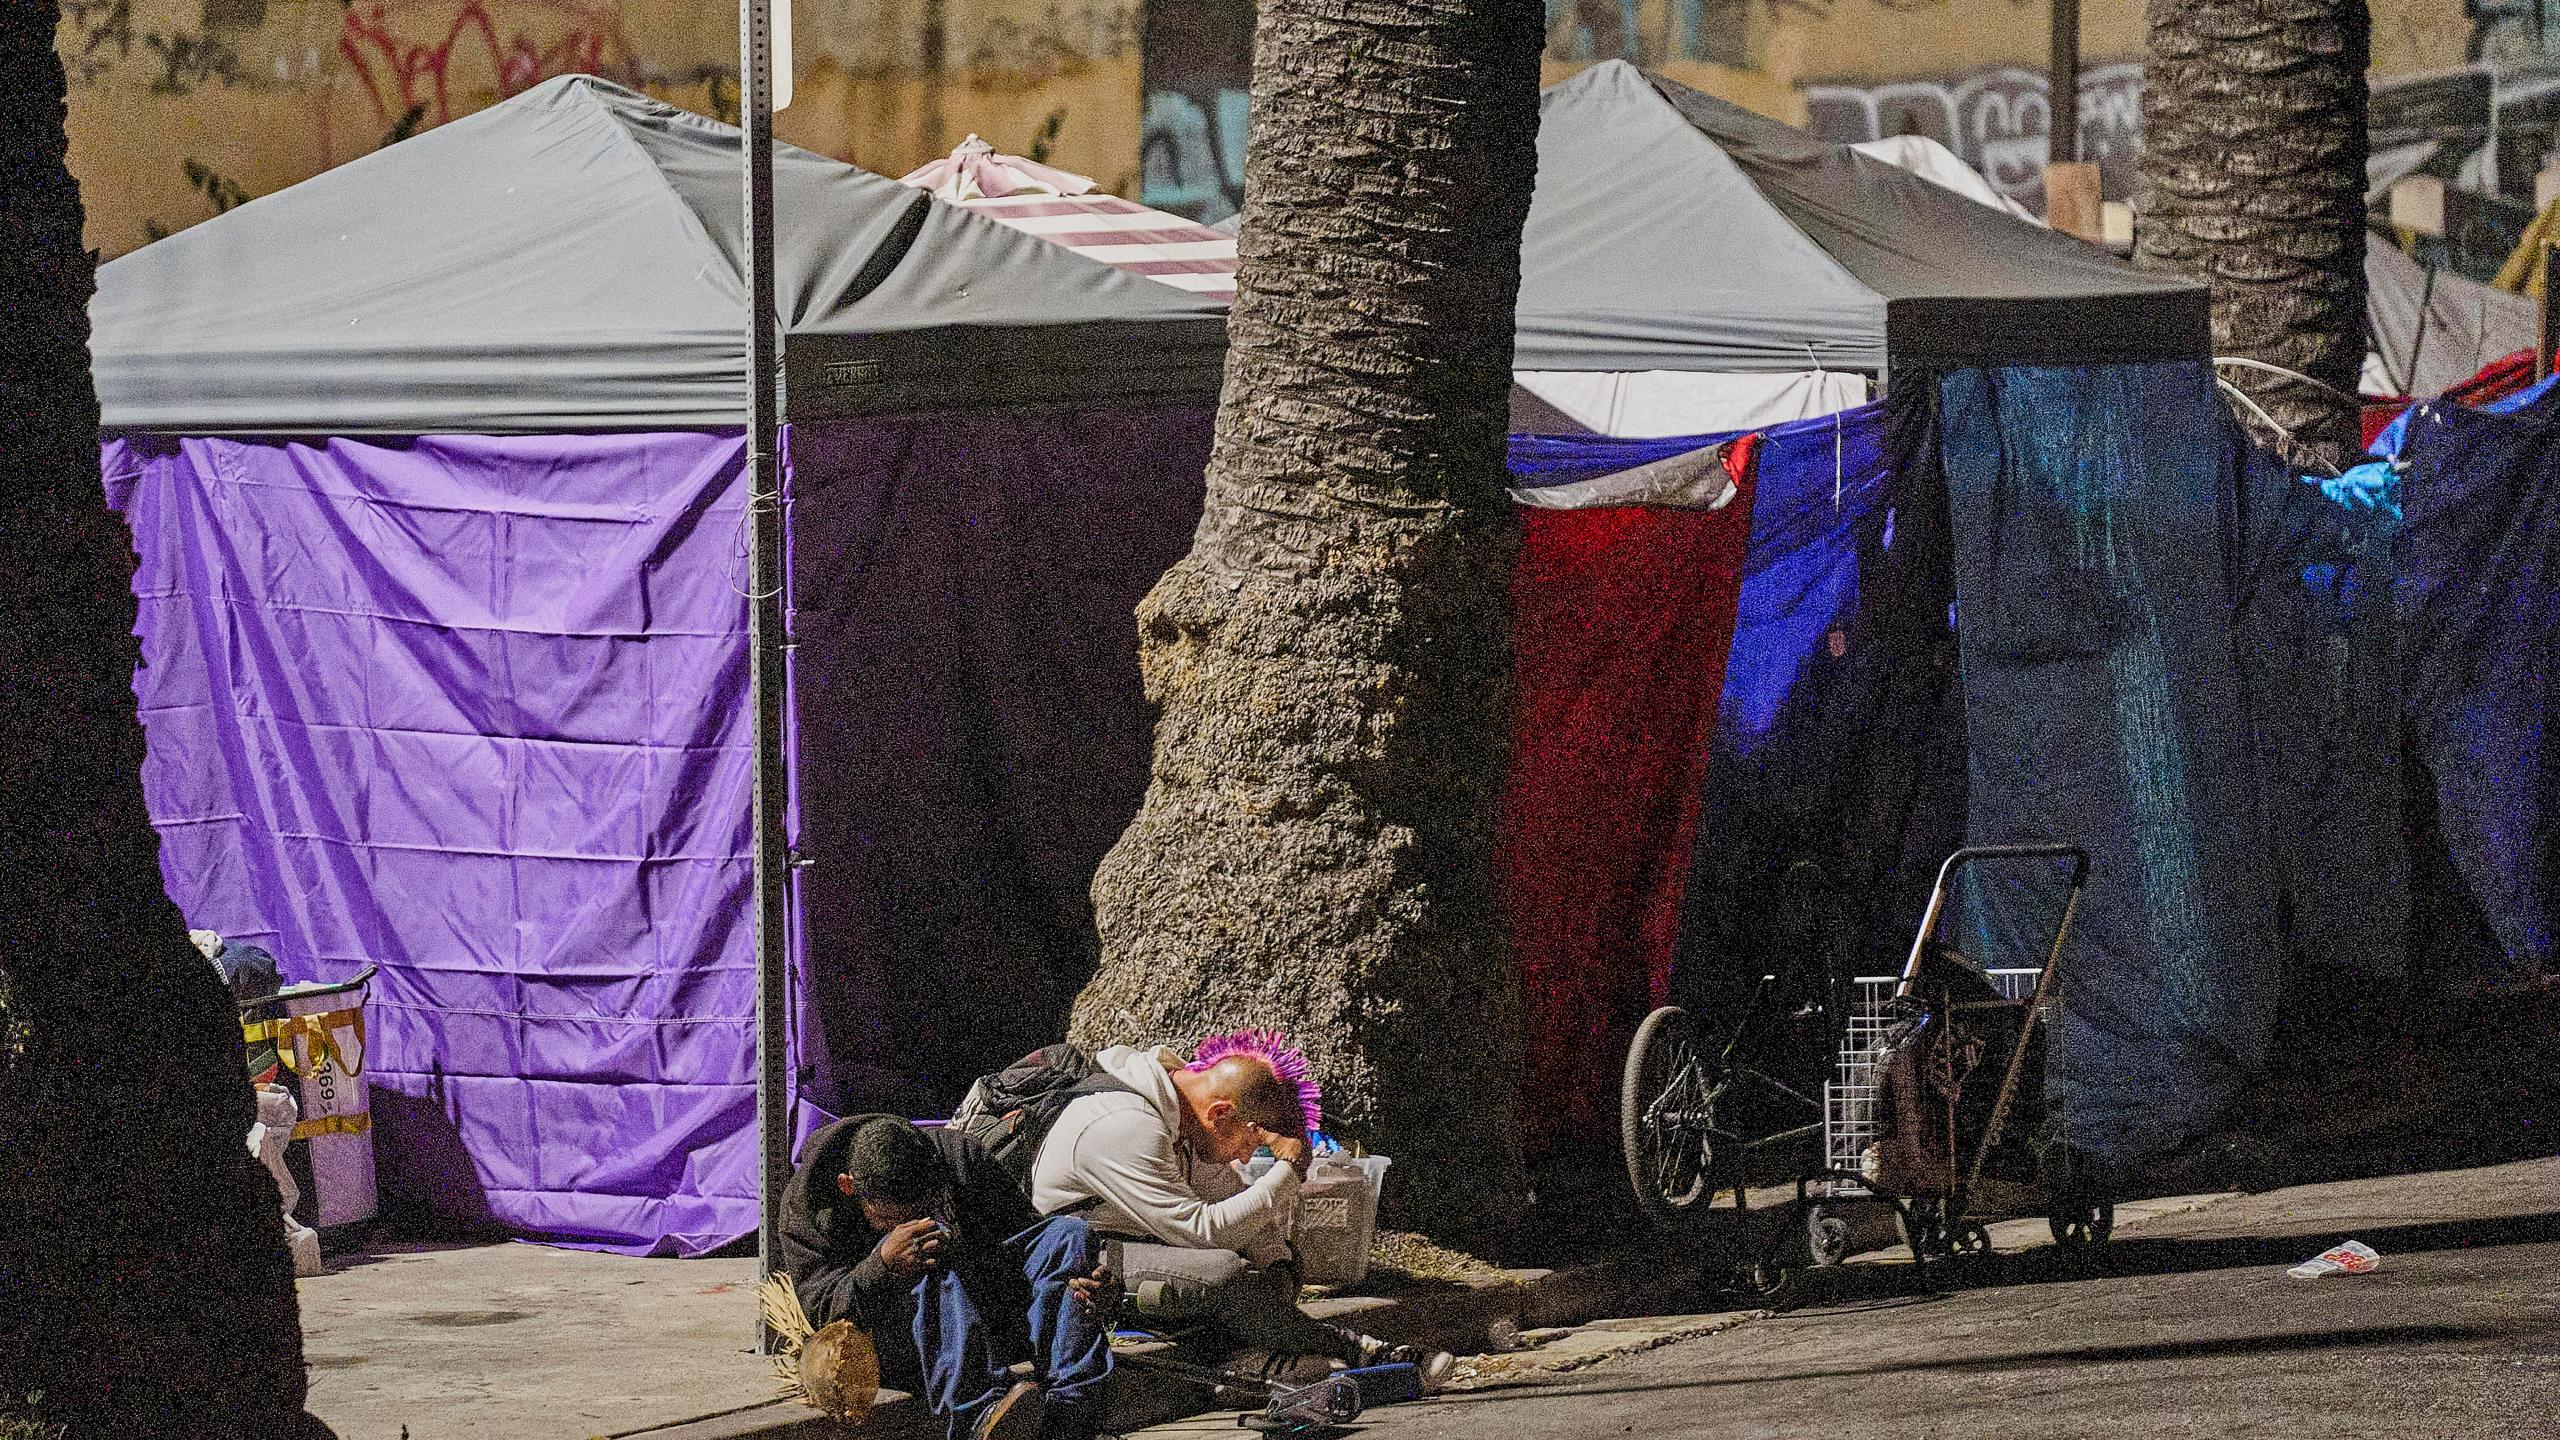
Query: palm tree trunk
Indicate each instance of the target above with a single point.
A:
(2252, 181)
(1331, 657)
(141, 1250)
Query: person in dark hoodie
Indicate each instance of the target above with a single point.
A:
(922, 1240)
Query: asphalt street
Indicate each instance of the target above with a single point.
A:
(2189, 1326)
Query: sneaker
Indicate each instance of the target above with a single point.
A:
(1018, 1414)
(1283, 1370)
(1434, 1366)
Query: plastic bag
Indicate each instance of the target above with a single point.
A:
(267, 1139)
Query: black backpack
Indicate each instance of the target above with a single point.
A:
(1009, 1113)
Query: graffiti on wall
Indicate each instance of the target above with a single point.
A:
(444, 54)
(2513, 32)
(2486, 131)
(400, 74)
(1654, 32)
(1191, 153)
(424, 53)
(270, 92)
(1998, 121)
(329, 83)
(1195, 62)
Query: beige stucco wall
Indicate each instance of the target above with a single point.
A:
(174, 103)
(179, 106)
(1793, 43)
(1866, 41)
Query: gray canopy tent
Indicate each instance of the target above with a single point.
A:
(570, 259)
(1673, 230)
(1689, 266)
(434, 465)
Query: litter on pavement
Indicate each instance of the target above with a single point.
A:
(2352, 1258)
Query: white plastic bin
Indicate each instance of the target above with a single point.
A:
(1338, 1217)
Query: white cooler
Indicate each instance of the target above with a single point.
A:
(1337, 1215)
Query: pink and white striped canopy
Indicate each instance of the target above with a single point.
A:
(1064, 208)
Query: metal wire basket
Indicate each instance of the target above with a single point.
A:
(1851, 1124)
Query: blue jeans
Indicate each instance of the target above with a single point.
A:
(972, 1320)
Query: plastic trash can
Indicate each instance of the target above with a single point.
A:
(320, 1039)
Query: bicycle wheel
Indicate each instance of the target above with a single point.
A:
(1826, 1234)
(1665, 1111)
(2080, 1223)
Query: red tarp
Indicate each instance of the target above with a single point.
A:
(2496, 381)
(1622, 619)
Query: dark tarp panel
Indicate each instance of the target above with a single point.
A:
(2478, 569)
(2315, 647)
(2094, 520)
(570, 259)
(1839, 741)
(1671, 230)
(971, 732)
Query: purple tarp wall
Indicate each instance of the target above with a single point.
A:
(474, 710)
(971, 736)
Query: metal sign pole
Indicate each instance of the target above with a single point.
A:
(2547, 328)
(2062, 86)
(766, 635)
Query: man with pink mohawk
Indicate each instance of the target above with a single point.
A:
(1287, 1065)
(1153, 1168)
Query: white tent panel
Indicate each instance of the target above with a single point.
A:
(1930, 160)
(1651, 404)
(2466, 325)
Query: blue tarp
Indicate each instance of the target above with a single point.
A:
(1540, 460)
(2094, 513)
(1835, 776)
(1818, 483)
(2477, 563)
(1818, 503)
(1831, 693)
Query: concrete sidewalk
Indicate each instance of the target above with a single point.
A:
(2187, 1325)
(527, 1342)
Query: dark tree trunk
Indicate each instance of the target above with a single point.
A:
(2252, 181)
(1332, 656)
(144, 1285)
